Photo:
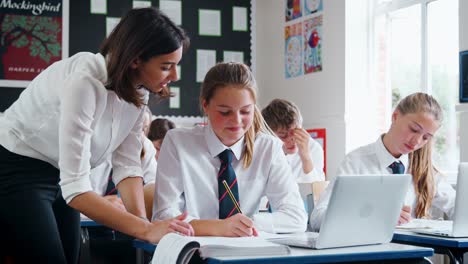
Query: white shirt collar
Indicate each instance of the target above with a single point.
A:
(385, 158)
(215, 146)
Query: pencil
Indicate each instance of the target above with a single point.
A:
(234, 201)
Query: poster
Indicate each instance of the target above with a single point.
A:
(313, 44)
(293, 9)
(34, 34)
(293, 50)
(320, 135)
(312, 7)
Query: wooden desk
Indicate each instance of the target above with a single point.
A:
(454, 248)
(386, 253)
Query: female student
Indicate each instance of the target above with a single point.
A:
(232, 147)
(157, 132)
(71, 118)
(405, 148)
(304, 154)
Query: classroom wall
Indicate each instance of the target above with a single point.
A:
(328, 99)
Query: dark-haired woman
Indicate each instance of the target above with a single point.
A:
(72, 117)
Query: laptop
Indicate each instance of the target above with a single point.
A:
(459, 226)
(363, 210)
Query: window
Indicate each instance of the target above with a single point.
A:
(415, 48)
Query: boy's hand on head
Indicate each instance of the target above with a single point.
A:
(238, 225)
(302, 140)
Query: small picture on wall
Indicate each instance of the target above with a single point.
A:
(313, 44)
(293, 50)
(312, 7)
(293, 9)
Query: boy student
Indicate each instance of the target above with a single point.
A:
(304, 154)
(234, 147)
(71, 118)
(405, 148)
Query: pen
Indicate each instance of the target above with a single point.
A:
(234, 201)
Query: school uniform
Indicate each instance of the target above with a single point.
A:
(65, 123)
(375, 159)
(316, 155)
(187, 180)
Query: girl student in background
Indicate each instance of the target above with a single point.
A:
(72, 117)
(405, 148)
(234, 147)
(156, 133)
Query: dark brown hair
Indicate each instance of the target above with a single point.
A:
(142, 34)
(159, 128)
(281, 114)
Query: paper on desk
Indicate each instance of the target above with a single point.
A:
(424, 224)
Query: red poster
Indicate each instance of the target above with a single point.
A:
(320, 135)
(32, 38)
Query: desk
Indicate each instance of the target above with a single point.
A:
(386, 253)
(453, 247)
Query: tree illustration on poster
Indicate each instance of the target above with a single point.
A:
(31, 38)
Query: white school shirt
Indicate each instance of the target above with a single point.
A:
(375, 159)
(100, 174)
(316, 154)
(187, 180)
(67, 118)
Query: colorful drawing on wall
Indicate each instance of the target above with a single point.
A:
(31, 39)
(312, 7)
(293, 50)
(313, 44)
(293, 9)
(320, 135)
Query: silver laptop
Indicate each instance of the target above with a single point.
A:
(363, 210)
(459, 226)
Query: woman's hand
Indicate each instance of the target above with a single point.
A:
(405, 215)
(175, 225)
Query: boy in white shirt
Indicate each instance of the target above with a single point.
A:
(304, 154)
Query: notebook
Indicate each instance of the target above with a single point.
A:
(459, 226)
(363, 210)
(177, 249)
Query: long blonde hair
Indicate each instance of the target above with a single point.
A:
(420, 161)
(237, 75)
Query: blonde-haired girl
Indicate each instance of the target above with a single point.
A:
(405, 148)
(255, 165)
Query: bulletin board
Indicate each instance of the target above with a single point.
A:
(88, 30)
(320, 135)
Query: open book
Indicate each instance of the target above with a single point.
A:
(177, 249)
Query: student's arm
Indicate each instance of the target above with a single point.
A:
(100, 210)
(169, 200)
(131, 192)
(444, 198)
(283, 194)
(237, 225)
(314, 155)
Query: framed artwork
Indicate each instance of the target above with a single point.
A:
(34, 34)
(320, 135)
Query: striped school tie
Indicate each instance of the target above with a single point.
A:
(226, 172)
(397, 167)
(111, 189)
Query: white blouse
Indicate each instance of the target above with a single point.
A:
(187, 170)
(100, 174)
(375, 159)
(67, 118)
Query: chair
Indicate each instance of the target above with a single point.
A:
(310, 193)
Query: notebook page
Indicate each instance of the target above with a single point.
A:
(425, 224)
(170, 247)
